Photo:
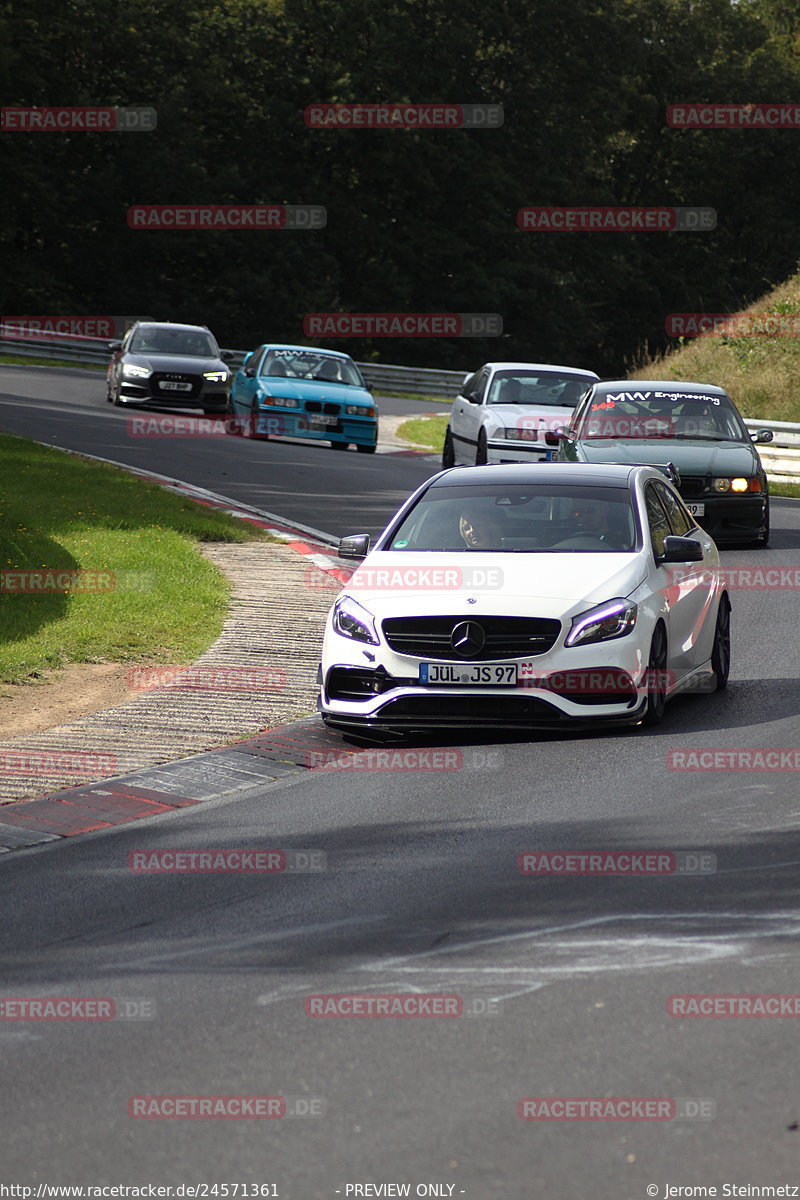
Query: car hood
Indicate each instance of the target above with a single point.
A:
(529, 416)
(395, 584)
(690, 457)
(306, 389)
(187, 364)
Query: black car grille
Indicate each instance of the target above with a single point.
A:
(693, 485)
(359, 683)
(506, 637)
(316, 406)
(488, 710)
(175, 377)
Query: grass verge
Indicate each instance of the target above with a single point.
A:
(14, 360)
(150, 595)
(424, 431)
(760, 373)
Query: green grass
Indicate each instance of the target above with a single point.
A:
(60, 511)
(14, 360)
(784, 489)
(761, 373)
(424, 431)
(440, 400)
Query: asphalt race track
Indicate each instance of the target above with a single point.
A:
(305, 482)
(422, 894)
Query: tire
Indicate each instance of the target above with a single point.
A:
(448, 451)
(365, 449)
(656, 682)
(482, 453)
(339, 445)
(721, 654)
(232, 426)
(247, 428)
(115, 400)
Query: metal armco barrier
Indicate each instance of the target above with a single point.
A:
(380, 377)
(781, 457)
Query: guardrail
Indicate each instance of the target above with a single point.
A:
(781, 456)
(380, 377)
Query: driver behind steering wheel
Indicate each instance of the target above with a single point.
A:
(591, 518)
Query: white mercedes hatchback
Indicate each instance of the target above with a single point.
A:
(510, 412)
(533, 596)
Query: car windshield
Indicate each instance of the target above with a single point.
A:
(311, 365)
(191, 343)
(544, 518)
(546, 389)
(655, 414)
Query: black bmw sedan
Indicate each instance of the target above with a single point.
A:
(694, 426)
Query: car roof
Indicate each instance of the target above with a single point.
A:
(532, 366)
(314, 349)
(610, 474)
(170, 325)
(660, 385)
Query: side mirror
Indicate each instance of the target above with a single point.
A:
(354, 546)
(553, 436)
(227, 355)
(115, 347)
(762, 435)
(681, 550)
(472, 397)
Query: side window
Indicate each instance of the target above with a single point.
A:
(469, 384)
(679, 519)
(656, 518)
(577, 415)
(254, 362)
(478, 383)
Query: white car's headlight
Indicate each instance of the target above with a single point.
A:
(353, 621)
(519, 434)
(135, 372)
(614, 619)
(215, 376)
